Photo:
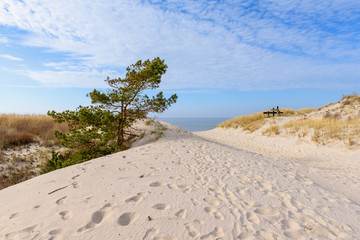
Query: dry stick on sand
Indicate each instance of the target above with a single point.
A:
(58, 189)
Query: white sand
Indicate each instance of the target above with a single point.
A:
(183, 187)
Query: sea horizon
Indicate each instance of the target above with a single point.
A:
(193, 124)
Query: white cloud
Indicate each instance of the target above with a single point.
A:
(207, 44)
(9, 57)
(91, 79)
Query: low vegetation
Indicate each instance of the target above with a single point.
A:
(252, 122)
(304, 111)
(325, 129)
(18, 130)
(350, 99)
(273, 130)
(249, 123)
(339, 122)
(25, 145)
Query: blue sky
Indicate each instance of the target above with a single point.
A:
(225, 58)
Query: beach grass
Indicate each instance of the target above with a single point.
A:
(339, 122)
(18, 130)
(326, 129)
(249, 123)
(304, 111)
(252, 122)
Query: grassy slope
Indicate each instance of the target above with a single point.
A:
(334, 122)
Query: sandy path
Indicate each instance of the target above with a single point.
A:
(180, 187)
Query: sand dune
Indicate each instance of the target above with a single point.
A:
(181, 187)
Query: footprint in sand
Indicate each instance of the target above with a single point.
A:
(217, 232)
(286, 224)
(61, 201)
(293, 234)
(55, 232)
(151, 174)
(161, 206)
(98, 217)
(193, 232)
(155, 168)
(65, 215)
(181, 213)
(172, 186)
(235, 212)
(157, 184)
(245, 235)
(75, 177)
(199, 221)
(187, 190)
(164, 238)
(252, 217)
(137, 198)
(195, 202)
(177, 178)
(210, 209)
(212, 201)
(150, 233)
(216, 214)
(267, 234)
(216, 190)
(128, 218)
(267, 212)
(75, 185)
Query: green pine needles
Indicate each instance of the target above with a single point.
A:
(104, 127)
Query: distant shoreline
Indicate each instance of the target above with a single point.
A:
(194, 124)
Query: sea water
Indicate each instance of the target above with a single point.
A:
(194, 124)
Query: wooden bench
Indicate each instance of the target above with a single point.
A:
(273, 111)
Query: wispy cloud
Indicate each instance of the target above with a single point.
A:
(72, 78)
(214, 44)
(9, 57)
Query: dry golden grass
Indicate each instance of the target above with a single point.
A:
(19, 130)
(274, 129)
(252, 122)
(16, 130)
(248, 122)
(331, 127)
(304, 111)
(326, 129)
(287, 112)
